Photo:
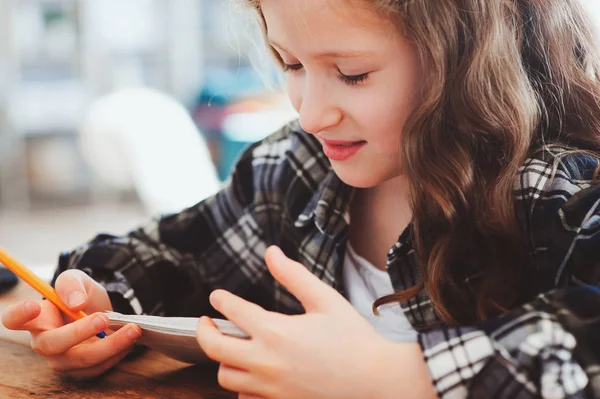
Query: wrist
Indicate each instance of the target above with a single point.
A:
(402, 372)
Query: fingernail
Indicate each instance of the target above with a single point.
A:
(99, 323)
(133, 333)
(214, 299)
(29, 308)
(76, 298)
(277, 252)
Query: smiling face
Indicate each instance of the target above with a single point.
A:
(353, 79)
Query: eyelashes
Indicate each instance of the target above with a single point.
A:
(291, 67)
(347, 79)
(353, 79)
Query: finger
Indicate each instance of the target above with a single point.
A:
(80, 292)
(246, 315)
(296, 278)
(96, 371)
(221, 348)
(50, 317)
(59, 340)
(15, 316)
(47, 317)
(89, 355)
(238, 381)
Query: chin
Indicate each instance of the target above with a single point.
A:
(364, 179)
(359, 175)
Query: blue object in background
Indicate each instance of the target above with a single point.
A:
(223, 85)
(231, 149)
(241, 130)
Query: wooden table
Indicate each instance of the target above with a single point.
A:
(24, 374)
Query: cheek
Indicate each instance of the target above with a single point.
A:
(381, 122)
(386, 116)
(294, 91)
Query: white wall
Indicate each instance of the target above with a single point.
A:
(593, 7)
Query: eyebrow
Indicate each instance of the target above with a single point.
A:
(324, 54)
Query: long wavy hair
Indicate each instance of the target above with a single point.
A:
(505, 78)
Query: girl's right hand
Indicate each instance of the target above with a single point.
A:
(71, 347)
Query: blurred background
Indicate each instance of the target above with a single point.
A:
(112, 111)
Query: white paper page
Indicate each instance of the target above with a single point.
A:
(173, 336)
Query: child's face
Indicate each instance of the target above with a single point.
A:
(360, 96)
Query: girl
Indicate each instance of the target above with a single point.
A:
(463, 135)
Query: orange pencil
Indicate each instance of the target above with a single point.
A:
(40, 286)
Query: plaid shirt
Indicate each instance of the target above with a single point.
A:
(284, 192)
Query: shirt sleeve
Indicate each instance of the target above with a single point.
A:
(170, 266)
(547, 348)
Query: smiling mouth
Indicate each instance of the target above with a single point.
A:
(348, 144)
(342, 150)
(338, 142)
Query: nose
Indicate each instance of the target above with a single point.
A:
(318, 110)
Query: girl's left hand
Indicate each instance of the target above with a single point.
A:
(328, 352)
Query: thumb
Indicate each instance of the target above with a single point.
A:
(313, 293)
(79, 291)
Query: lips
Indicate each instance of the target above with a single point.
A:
(338, 150)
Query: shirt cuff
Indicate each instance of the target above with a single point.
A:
(454, 356)
(122, 297)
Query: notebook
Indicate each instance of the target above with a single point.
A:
(173, 336)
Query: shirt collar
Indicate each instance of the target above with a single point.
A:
(329, 206)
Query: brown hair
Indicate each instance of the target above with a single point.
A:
(504, 79)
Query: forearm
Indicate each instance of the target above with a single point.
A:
(402, 373)
(546, 348)
(140, 275)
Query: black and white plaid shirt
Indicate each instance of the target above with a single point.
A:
(284, 192)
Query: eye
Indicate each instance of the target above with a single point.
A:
(353, 79)
(291, 67)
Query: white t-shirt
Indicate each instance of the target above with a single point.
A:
(364, 284)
